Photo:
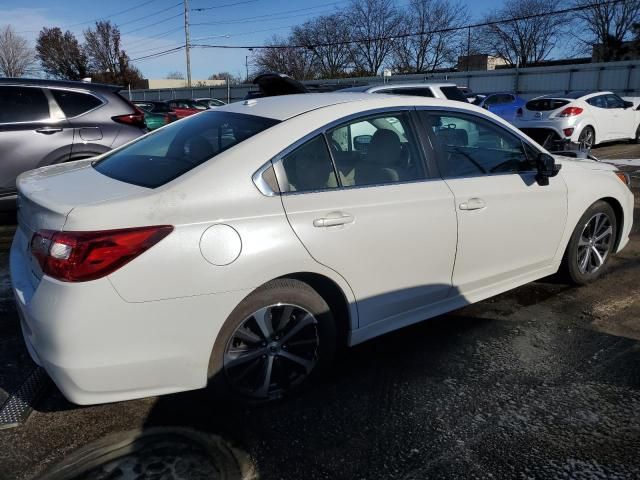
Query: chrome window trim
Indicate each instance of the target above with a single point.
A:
(281, 175)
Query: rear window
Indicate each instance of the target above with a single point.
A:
(75, 103)
(454, 93)
(545, 104)
(177, 148)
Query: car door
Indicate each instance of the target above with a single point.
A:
(33, 133)
(373, 212)
(623, 118)
(603, 117)
(509, 226)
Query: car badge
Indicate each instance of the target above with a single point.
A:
(538, 114)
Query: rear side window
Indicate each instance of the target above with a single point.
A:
(417, 92)
(179, 147)
(309, 167)
(75, 103)
(23, 104)
(453, 93)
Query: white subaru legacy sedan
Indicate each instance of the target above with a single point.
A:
(238, 248)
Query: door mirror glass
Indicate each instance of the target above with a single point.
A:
(547, 168)
(361, 142)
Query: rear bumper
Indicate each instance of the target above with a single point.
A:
(552, 129)
(99, 348)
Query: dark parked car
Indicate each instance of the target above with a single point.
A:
(43, 122)
(156, 113)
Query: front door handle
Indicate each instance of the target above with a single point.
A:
(473, 204)
(49, 130)
(333, 219)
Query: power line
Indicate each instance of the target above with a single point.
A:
(111, 15)
(164, 20)
(406, 35)
(150, 15)
(145, 40)
(158, 54)
(260, 17)
(223, 6)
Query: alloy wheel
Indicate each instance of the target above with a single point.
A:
(595, 243)
(271, 351)
(586, 138)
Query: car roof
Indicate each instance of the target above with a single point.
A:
(39, 82)
(287, 106)
(394, 86)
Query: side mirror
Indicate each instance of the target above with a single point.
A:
(361, 142)
(547, 168)
(486, 107)
(628, 105)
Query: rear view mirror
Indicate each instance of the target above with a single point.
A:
(547, 168)
(361, 142)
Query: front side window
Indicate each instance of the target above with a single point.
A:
(472, 146)
(376, 150)
(614, 101)
(75, 103)
(23, 104)
(167, 153)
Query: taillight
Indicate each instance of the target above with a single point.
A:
(570, 112)
(136, 118)
(84, 256)
(519, 112)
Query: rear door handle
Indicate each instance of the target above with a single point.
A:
(473, 204)
(49, 130)
(333, 219)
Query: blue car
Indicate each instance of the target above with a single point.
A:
(504, 105)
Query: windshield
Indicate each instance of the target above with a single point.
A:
(165, 154)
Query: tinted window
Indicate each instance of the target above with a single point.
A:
(23, 104)
(472, 146)
(614, 101)
(309, 167)
(418, 92)
(376, 150)
(168, 153)
(600, 101)
(75, 103)
(453, 93)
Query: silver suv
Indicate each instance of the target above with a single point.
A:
(445, 91)
(43, 122)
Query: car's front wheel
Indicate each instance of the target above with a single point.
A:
(276, 339)
(591, 244)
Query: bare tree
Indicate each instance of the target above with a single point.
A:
(528, 40)
(437, 44)
(608, 24)
(373, 24)
(16, 57)
(108, 62)
(61, 55)
(175, 75)
(327, 37)
(294, 60)
(233, 79)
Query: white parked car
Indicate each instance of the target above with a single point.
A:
(238, 247)
(443, 90)
(588, 118)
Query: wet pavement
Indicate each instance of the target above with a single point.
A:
(540, 382)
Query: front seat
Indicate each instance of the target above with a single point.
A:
(383, 161)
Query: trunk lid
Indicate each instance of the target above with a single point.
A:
(47, 195)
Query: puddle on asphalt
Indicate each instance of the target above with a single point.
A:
(157, 453)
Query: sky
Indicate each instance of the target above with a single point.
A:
(152, 26)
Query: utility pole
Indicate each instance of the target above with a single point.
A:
(246, 64)
(187, 41)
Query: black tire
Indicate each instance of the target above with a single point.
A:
(588, 134)
(570, 263)
(278, 292)
(637, 138)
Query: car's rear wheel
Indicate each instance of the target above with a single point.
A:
(637, 137)
(274, 341)
(587, 137)
(591, 244)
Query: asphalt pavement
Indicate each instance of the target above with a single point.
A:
(539, 382)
